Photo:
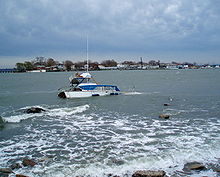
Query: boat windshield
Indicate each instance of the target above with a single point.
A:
(80, 80)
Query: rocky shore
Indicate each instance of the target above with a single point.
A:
(189, 169)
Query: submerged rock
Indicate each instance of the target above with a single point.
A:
(20, 175)
(111, 175)
(164, 116)
(149, 173)
(28, 162)
(34, 110)
(6, 170)
(1, 122)
(194, 166)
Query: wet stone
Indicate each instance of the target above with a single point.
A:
(111, 175)
(6, 170)
(34, 110)
(164, 116)
(1, 122)
(194, 166)
(28, 162)
(149, 173)
(20, 175)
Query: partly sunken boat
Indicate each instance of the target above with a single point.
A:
(84, 85)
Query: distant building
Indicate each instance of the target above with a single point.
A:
(172, 67)
(60, 67)
(107, 68)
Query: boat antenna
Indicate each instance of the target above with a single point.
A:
(87, 54)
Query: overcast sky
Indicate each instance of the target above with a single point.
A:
(167, 30)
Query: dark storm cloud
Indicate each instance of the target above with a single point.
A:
(52, 26)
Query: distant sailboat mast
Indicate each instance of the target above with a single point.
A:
(87, 54)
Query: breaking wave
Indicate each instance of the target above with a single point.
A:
(19, 115)
(132, 93)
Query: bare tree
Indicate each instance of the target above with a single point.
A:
(68, 64)
(129, 63)
(39, 61)
(50, 62)
(109, 63)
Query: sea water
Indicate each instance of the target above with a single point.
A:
(115, 135)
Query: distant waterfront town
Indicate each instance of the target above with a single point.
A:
(42, 64)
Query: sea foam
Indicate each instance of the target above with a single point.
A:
(57, 112)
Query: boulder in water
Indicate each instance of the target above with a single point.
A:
(149, 173)
(34, 110)
(28, 162)
(164, 116)
(194, 166)
(6, 170)
(1, 122)
(20, 175)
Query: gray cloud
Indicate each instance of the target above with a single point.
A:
(140, 26)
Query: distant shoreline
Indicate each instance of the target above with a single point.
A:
(138, 69)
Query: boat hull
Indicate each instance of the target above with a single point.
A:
(85, 94)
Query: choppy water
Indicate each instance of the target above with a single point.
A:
(113, 134)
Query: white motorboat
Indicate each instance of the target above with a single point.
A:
(84, 85)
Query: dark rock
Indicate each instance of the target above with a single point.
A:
(164, 116)
(15, 166)
(194, 166)
(34, 110)
(28, 162)
(166, 104)
(6, 170)
(2, 122)
(111, 175)
(19, 175)
(149, 173)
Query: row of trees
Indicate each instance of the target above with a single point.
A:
(50, 62)
(38, 61)
(94, 65)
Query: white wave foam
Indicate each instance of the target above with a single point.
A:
(58, 112)
(67, 111)
(132, 93)
(18, 118)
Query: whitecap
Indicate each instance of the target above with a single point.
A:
(132, 93)
(57, 112)
(18, 118)
(67, 111)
